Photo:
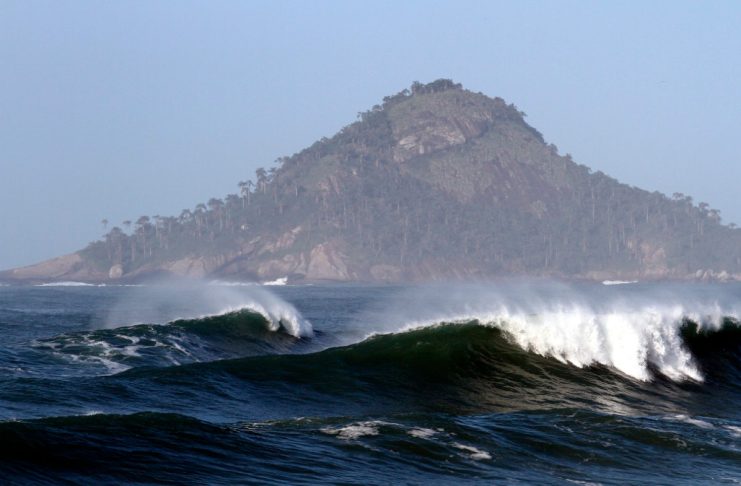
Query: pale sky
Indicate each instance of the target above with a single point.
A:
(118, 109)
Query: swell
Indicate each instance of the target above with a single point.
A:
(242, 332)
(538, 446)
(107, 447)
(450, 367)
(465, 367)
(455, 351)
(458, 368)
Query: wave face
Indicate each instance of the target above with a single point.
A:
(530, 382)
(169, 301)
(226, 323)
(456, 368)
(631, 330)
(236, 333)
(461, 368)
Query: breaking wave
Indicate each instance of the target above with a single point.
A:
(632, 331)
(462, 383)
(260, 325)
(177, 300)
(457, 367)
(633, 343)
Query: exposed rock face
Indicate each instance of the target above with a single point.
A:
(66, 267)
(191, 267)
(436, 183)
(323, 262)
(327, 263)
(422, 130)
(289, 264)
(116, 271)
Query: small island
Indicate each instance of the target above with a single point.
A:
(434, 183)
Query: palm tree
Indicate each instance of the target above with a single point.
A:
(143, 227)
(185, 219)
(216, 206)
(250, 186)
(185, 216)
(198, 216)
(142, 221)
(231, 206)
(114, 241)
(231, 200)
(104, 222)
(157, 225)
(262, 178)
(243, 191)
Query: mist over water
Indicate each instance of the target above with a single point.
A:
(518, 380)
(173, 299)
(626, 327)
(634, 329)
(441, 302)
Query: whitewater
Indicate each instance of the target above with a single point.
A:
(514, 381)
(629, 330)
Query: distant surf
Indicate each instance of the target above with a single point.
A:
(84, 284)
(231, 283)
(68, 284)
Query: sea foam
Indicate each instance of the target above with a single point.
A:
(174, 300)
(628, 330)
(68, 284)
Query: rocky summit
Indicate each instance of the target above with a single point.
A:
(434, 183)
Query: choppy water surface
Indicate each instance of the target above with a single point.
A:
(508, 381)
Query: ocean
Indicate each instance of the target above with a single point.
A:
(512, 381)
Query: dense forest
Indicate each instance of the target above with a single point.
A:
(435, 182)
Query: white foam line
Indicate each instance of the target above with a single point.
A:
(354, 431)
(68, 284)
(472, 452)
(627, 331)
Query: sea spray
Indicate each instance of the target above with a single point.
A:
(449, 403)
(240, 333)
(171, 300)
(629, 328)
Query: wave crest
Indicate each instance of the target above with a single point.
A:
(179, 300)
(629, 328)
(243, 332)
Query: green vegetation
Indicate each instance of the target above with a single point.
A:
(437, 182)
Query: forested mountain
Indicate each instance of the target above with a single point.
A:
(437, 182)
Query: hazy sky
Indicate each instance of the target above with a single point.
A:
(118, 109)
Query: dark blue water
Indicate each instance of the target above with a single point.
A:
(503, 382)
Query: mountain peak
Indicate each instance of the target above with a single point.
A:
(435, 182)
(427, 118)
(440, 115)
